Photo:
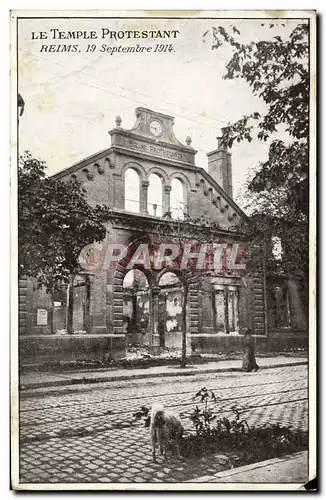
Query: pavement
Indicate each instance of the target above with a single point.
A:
(289, 469)
(33, 380)
(88, 435)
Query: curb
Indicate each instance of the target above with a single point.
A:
(246, 468)
(97, 380)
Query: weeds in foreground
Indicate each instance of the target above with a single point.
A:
(215, 433)
(208, 424)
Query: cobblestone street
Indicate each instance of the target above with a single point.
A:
(88, 434)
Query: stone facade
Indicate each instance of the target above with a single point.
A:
(90, 318)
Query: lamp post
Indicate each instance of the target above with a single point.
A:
(20, 111)
(20, 106)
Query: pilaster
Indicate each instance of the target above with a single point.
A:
(167, 200)
(144, 197)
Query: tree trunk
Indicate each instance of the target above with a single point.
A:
(266, 330)
(184, 327)
(70, 306)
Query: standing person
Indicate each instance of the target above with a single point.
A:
(249, 361)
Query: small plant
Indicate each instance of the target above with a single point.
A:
(203, 418)
(208, 424)
(238, 425)
(205, 395)
(233, 435)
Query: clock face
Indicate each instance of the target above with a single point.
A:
(156, 128)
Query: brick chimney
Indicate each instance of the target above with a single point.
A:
(220, 166)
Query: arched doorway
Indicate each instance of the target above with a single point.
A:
(170, 322)
(136, 308)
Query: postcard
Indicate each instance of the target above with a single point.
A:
(163, 272)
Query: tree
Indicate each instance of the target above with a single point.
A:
(278, 73)
(55, 223)
(268, 221)
(192, 235)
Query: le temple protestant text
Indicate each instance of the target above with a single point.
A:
(103, 34)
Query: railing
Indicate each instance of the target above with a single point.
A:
(177, 212)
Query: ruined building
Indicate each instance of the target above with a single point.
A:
(147, 176)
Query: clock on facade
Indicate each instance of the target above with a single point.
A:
(155, 128)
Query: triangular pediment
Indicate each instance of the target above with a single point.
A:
(153, 135)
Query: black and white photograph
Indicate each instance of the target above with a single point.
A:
(163, 250)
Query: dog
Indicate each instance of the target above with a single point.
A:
(166, 430)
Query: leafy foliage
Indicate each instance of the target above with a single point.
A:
(206, 422)
(277, 72)
(202, 418)
(55, 222)
(214, 433)
(246, 446)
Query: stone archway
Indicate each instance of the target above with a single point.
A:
(136, 308)
(163, 328)
(118, 288)
(170, 321)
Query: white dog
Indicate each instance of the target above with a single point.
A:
(166, 430)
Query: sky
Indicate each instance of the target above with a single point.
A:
(72, 99)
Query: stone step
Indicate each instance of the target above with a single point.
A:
(194, 310)
(118, 329)
(118, 308)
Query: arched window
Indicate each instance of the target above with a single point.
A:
(176, 200)
(155, 197)
(169, 279)
(132, 191)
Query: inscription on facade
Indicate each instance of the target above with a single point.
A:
(42, 317)
(155, 150)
